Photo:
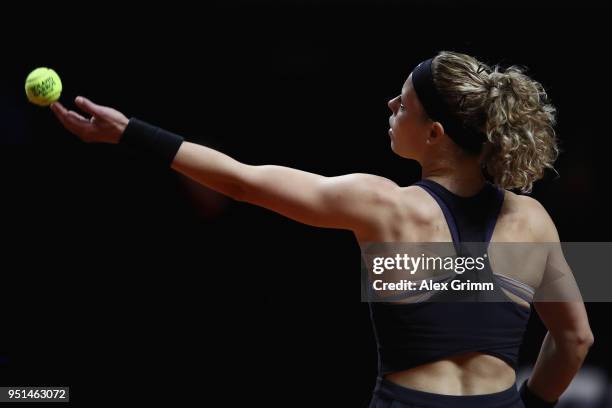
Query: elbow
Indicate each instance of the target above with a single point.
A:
(584, 339)
(577, 343)
(588, 339)
(243, 188)
(584, 342)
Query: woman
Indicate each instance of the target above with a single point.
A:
(463, 122)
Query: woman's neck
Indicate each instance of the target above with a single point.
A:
(461, 178)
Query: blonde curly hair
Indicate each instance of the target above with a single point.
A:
(511, 109)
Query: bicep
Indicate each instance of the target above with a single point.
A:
(349, 201)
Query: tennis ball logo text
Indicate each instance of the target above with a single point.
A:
(410, 263)
(44, 87)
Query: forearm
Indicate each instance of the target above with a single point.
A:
(211, 168)
(309, 198)
(557, 364)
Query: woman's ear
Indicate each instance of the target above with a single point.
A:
(436, 132)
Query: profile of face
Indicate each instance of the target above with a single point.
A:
(411, 131)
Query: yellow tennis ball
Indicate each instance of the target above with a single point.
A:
(43, 86)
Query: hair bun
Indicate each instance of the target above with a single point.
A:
(510, 108)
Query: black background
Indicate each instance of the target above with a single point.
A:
(119, 273)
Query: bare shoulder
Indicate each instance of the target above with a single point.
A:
(530, 216)
(390, 206)
(372, 180)
(377, 195)
(412, 206)
(370, 189)
(417, 203)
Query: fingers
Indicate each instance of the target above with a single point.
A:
(87, 106)
(59, 111)
(72, 121)
(57, 108)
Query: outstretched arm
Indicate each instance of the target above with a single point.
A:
(357, 202)
(347, 202)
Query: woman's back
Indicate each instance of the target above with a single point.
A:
(410, 214)
(413, 215)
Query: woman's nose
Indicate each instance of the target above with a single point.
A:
(391, 104)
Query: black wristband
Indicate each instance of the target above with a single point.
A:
(151, 139)
(531, 400)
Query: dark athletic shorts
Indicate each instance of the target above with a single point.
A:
(391, 395)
